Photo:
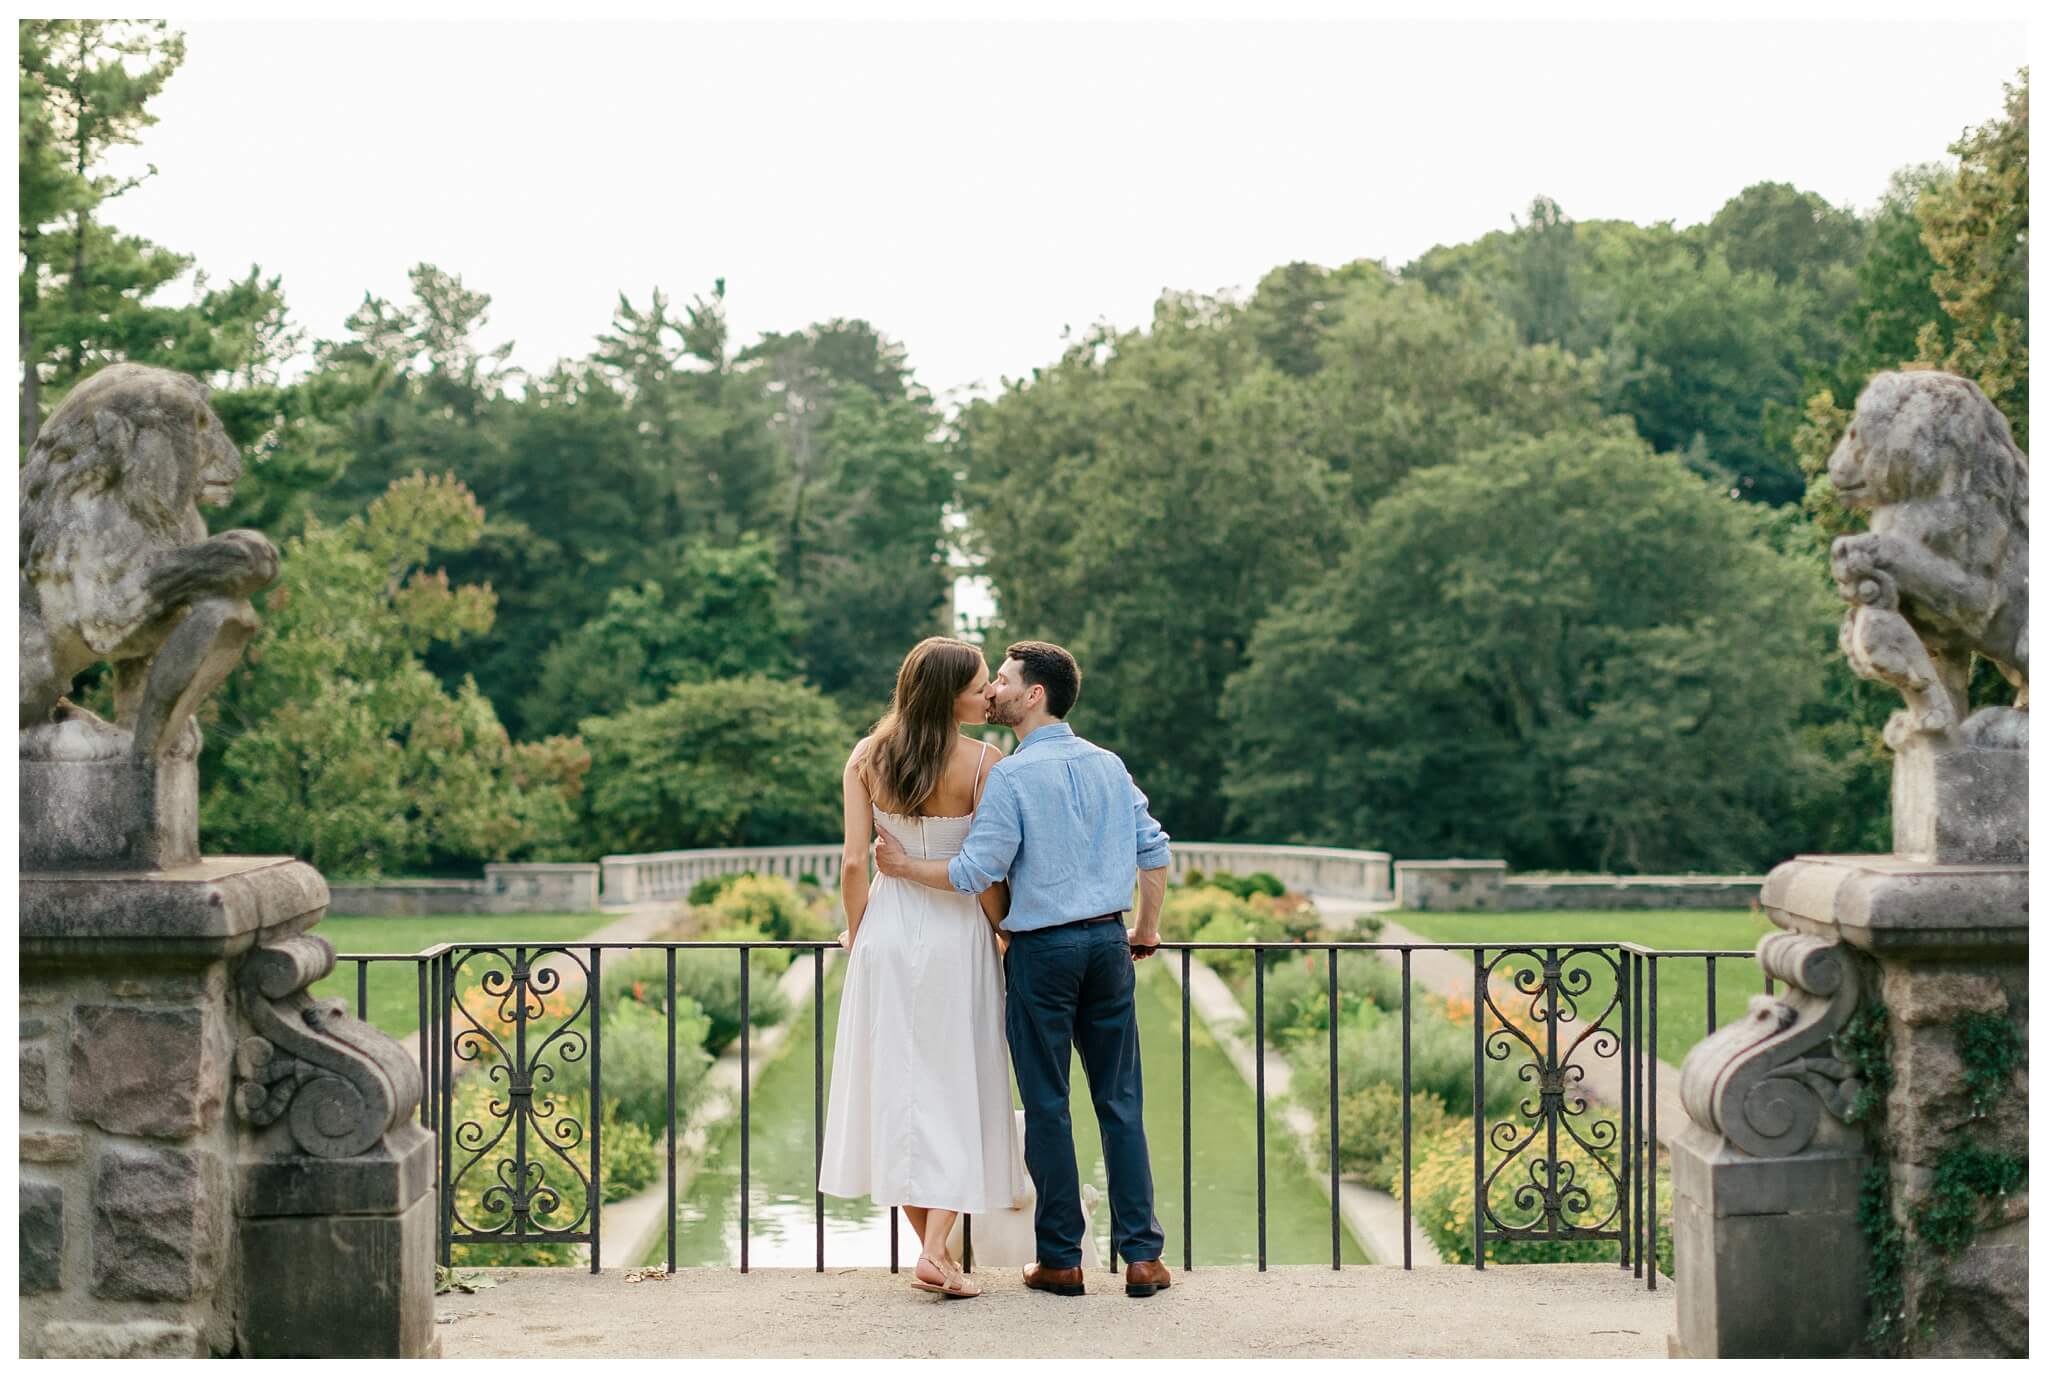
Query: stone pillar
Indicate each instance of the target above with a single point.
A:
(212, 1161)
(1448, 885)
(128, 1142)
(1853, 1187)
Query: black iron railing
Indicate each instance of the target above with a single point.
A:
(483, 1009)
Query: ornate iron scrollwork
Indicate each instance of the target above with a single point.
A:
(1550, 1202)
(523, 1146)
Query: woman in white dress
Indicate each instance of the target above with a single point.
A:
(920, 1113)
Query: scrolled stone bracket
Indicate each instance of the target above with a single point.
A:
(338, 1083)
(1765, 1081)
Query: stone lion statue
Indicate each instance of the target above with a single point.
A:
(116, 565)
(1942, 573)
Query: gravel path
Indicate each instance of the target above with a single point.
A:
(1564, 1310)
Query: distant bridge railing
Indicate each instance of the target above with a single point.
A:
(649, 876)
(1339, 872)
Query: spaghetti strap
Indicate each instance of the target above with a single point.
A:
(978, 781)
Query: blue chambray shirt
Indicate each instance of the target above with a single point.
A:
(1063, 821)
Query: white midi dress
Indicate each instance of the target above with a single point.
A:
(920, 1110)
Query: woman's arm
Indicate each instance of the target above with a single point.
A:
(853, 856)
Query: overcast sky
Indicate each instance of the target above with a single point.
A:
(975, 189)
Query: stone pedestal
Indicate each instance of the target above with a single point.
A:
(1767, 1251)
(302, 1216)
(160, 1187)
(90, 802)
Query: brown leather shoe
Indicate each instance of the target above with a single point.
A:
(1146, 1276)
(1061, 1282)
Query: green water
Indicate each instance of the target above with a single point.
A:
(781, 1223)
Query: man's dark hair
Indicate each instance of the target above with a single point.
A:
(1041, 662)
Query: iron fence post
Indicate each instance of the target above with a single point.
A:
(744, 1102)
(1478, 1108)
(671, 1006)
(1407, 1115)
(1336, 1214)
(1187, 1153)
(1259, 1031)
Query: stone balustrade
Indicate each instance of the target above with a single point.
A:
(1336, 871)
(650, 876)
(1340, 872)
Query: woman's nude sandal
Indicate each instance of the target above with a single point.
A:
(956, 1283)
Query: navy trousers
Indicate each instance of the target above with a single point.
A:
(1070, 988)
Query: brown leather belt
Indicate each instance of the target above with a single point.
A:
(1116, 918)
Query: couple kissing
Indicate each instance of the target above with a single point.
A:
(992, 936)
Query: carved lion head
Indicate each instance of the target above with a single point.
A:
(145, 438)
(1922, 435)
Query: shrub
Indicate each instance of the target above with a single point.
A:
(763, 963)
(1286, 918)
(1298, 990)
(1369, 1129)
(775, 907)
(635, 1053)
(1187, 911)
(707, 890)
(632, 1156)
(1244, 887)
(1442, 1183)
(709, 981)
(1226, 927)
(1191, 878)
(1440, 1057)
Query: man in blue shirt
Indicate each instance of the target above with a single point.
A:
(1065, 824)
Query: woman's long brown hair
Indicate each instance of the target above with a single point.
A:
(908, 749)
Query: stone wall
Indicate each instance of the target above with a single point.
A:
(1485, 886)
(1538, 893)
(1946, 1139)
(506, 888)
(128, 1144)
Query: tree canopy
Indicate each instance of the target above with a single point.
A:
(1520, 548)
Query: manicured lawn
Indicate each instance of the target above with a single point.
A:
(393, 987)
(1681, 981)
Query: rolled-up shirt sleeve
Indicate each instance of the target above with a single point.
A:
(992, 841)
(1153, 851)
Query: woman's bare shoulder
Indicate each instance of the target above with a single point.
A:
(964, 745)
(859, 753)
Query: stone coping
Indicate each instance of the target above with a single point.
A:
(1452, 864)
(217, 906)
(1623, 882)
(1891, 906)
